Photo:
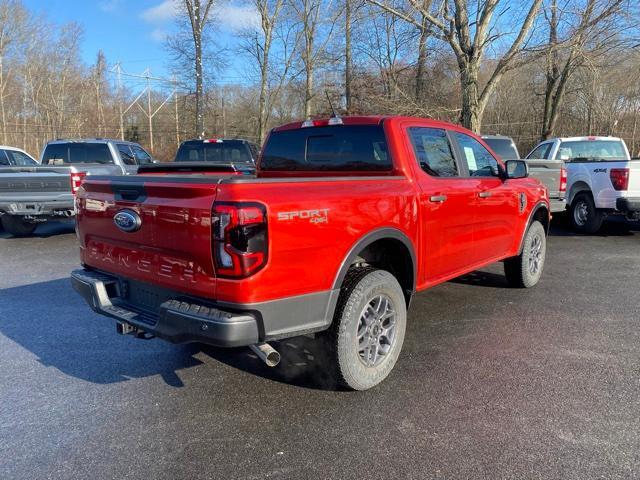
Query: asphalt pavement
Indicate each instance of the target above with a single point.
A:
(492, 383)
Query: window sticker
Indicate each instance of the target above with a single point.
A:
(471, 158)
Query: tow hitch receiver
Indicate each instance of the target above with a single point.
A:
(128, 329)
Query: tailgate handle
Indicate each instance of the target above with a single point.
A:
(128, 192)
(484, 194)
(437, 198)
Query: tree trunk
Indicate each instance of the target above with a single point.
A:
(421, 67)
(553, 75)
(308, 91)
(471, 111)
(199, 88)
(347, 57)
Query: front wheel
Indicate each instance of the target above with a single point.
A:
(525, 270)
(17, 226)
(585, 217)
(368, 329)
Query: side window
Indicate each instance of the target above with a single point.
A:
(541, 152)
(479, 161)
(125, 154)
(3, 158)
(141, 155)
(433, 151)
(20, 159)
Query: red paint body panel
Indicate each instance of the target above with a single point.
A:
(172, 249)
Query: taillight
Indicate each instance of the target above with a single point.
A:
(76, 181)
(563, 180)
(619, 178)
(239, 240)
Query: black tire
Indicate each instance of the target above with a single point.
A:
(360, 292)
(17, 226)
(585, 217)
(525, 270)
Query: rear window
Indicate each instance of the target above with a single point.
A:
(227, 151)
(504, 147)
(59, 153)
(334, 148)
(591, 150)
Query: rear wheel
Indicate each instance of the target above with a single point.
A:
(368, 329)
(17, 226)
(585, 217)
(525, 270)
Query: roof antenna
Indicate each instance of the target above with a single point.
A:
(335, 118)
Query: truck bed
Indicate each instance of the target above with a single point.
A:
(548, 172)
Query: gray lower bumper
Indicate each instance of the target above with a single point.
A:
(557, 205)
(181, 319)
(628, 205)
(48, 208)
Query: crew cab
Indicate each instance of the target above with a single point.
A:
(344, 221)
(602, 179)
(552, 173)
(33, 193)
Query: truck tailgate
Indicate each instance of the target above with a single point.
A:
(32, 183)
(171, 248)
(548, 172)
(634, 177)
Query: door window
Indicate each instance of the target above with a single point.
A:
(541, 152)
(4, 161)
(433, 151)
(142, 157)
(125, 154)
(479, 160)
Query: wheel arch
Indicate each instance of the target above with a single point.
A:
(541, 213)
(386, 248)
(576, 188)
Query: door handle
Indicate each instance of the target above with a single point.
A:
(438, 198)
(484, 194)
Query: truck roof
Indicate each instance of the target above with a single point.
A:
(584, 139)
(90, 140)
(365, 120)
(15, 149)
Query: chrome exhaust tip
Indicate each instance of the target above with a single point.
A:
(266, 353)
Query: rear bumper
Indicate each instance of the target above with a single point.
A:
(181, 319)
(557, 205)
(38, 207)
(628, 205)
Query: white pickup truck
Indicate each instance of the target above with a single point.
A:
(601, 178)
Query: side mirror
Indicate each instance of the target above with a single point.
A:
(516, 169)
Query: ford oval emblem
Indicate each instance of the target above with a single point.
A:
(127, 220)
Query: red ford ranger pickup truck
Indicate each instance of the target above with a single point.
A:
(343, 222)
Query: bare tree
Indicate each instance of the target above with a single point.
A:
(470, 33)
(423, 36)
(348, 60)
(592, 34)
(317, 22)
(13, 29)
(269, 11)
(198, 15)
